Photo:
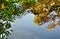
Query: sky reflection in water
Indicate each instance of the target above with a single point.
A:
(24, 28)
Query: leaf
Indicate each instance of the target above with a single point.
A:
(8, 25)
(50, 26)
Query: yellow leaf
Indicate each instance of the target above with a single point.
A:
(7, 0)
(43, 14)
(58, 0)
(50, 26)
(3, 7)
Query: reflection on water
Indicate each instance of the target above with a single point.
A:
(25, 28)
(4, 32)
(53, 17)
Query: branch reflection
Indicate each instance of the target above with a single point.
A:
(4, 32)
(45, 17)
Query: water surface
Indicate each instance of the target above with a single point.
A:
(24, 28)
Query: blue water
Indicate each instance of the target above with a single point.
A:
(24, 28)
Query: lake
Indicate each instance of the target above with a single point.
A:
(24, 28)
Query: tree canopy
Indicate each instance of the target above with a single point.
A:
(42, 9)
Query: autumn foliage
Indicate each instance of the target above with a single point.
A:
(40, 8)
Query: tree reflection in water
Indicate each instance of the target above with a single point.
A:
(41, 9)
(4, 32)
(43, 18)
